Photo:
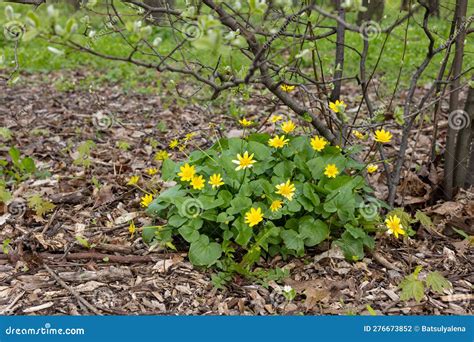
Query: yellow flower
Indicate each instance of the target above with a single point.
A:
(276, 205)
(133, 180)
(287, 88)
(383, 136)
(288, 126)
(253, 216)
(182, 147)
(152, 171)
(197, 182)
(162, 155)
(278, 142)
(174, 143)
(287, 190)
(331, 171)
(338, 106)
(394, 226)
(132, 228)
(318, 143)
(189, 136)
(358, 134)
(187, 172)
(244, 122)
(275, 118)
(146, 200)
(244, 161)
(216, 180)
(371, 168)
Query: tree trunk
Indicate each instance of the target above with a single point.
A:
(450, 152)
(339, 65)
(406, 4)
(434, 7)
(374, 11)
(465, 143)
(159, 4)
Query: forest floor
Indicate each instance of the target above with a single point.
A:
(48, 271)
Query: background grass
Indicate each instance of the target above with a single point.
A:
(36, 58)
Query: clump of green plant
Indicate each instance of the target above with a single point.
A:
(18, 168)
(15, 169)
(40, 205)
(261, 195)
(413, 287)
(84, 154)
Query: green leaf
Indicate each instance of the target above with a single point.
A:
(261, 151)
(412, 288)
(239, 204)
(204, 253)
(310, 194)
(39, 205)
(5, 133)
(352, 248)
(5, 195)
(210, 202)
(177, 221)
(437, 282)
(149, 233)
(370, 310)
(15, 156)
(293, 206)
(156, 208)
(424, 219)
(341, 201)
(28, 165)
(190, 234)
(313, 231)
(244, 232)
(170, 195)
(284, 169)
(293, 241)
(225, 196)
(168, 169)
(82, 241)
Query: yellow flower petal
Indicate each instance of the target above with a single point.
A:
(331, 171)
(187, 172)
(254, 216)
(287, 190)
(244, 162)
(288, 126)
(216, 180)
(278, 142)
(383, 136)
(146, 200)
